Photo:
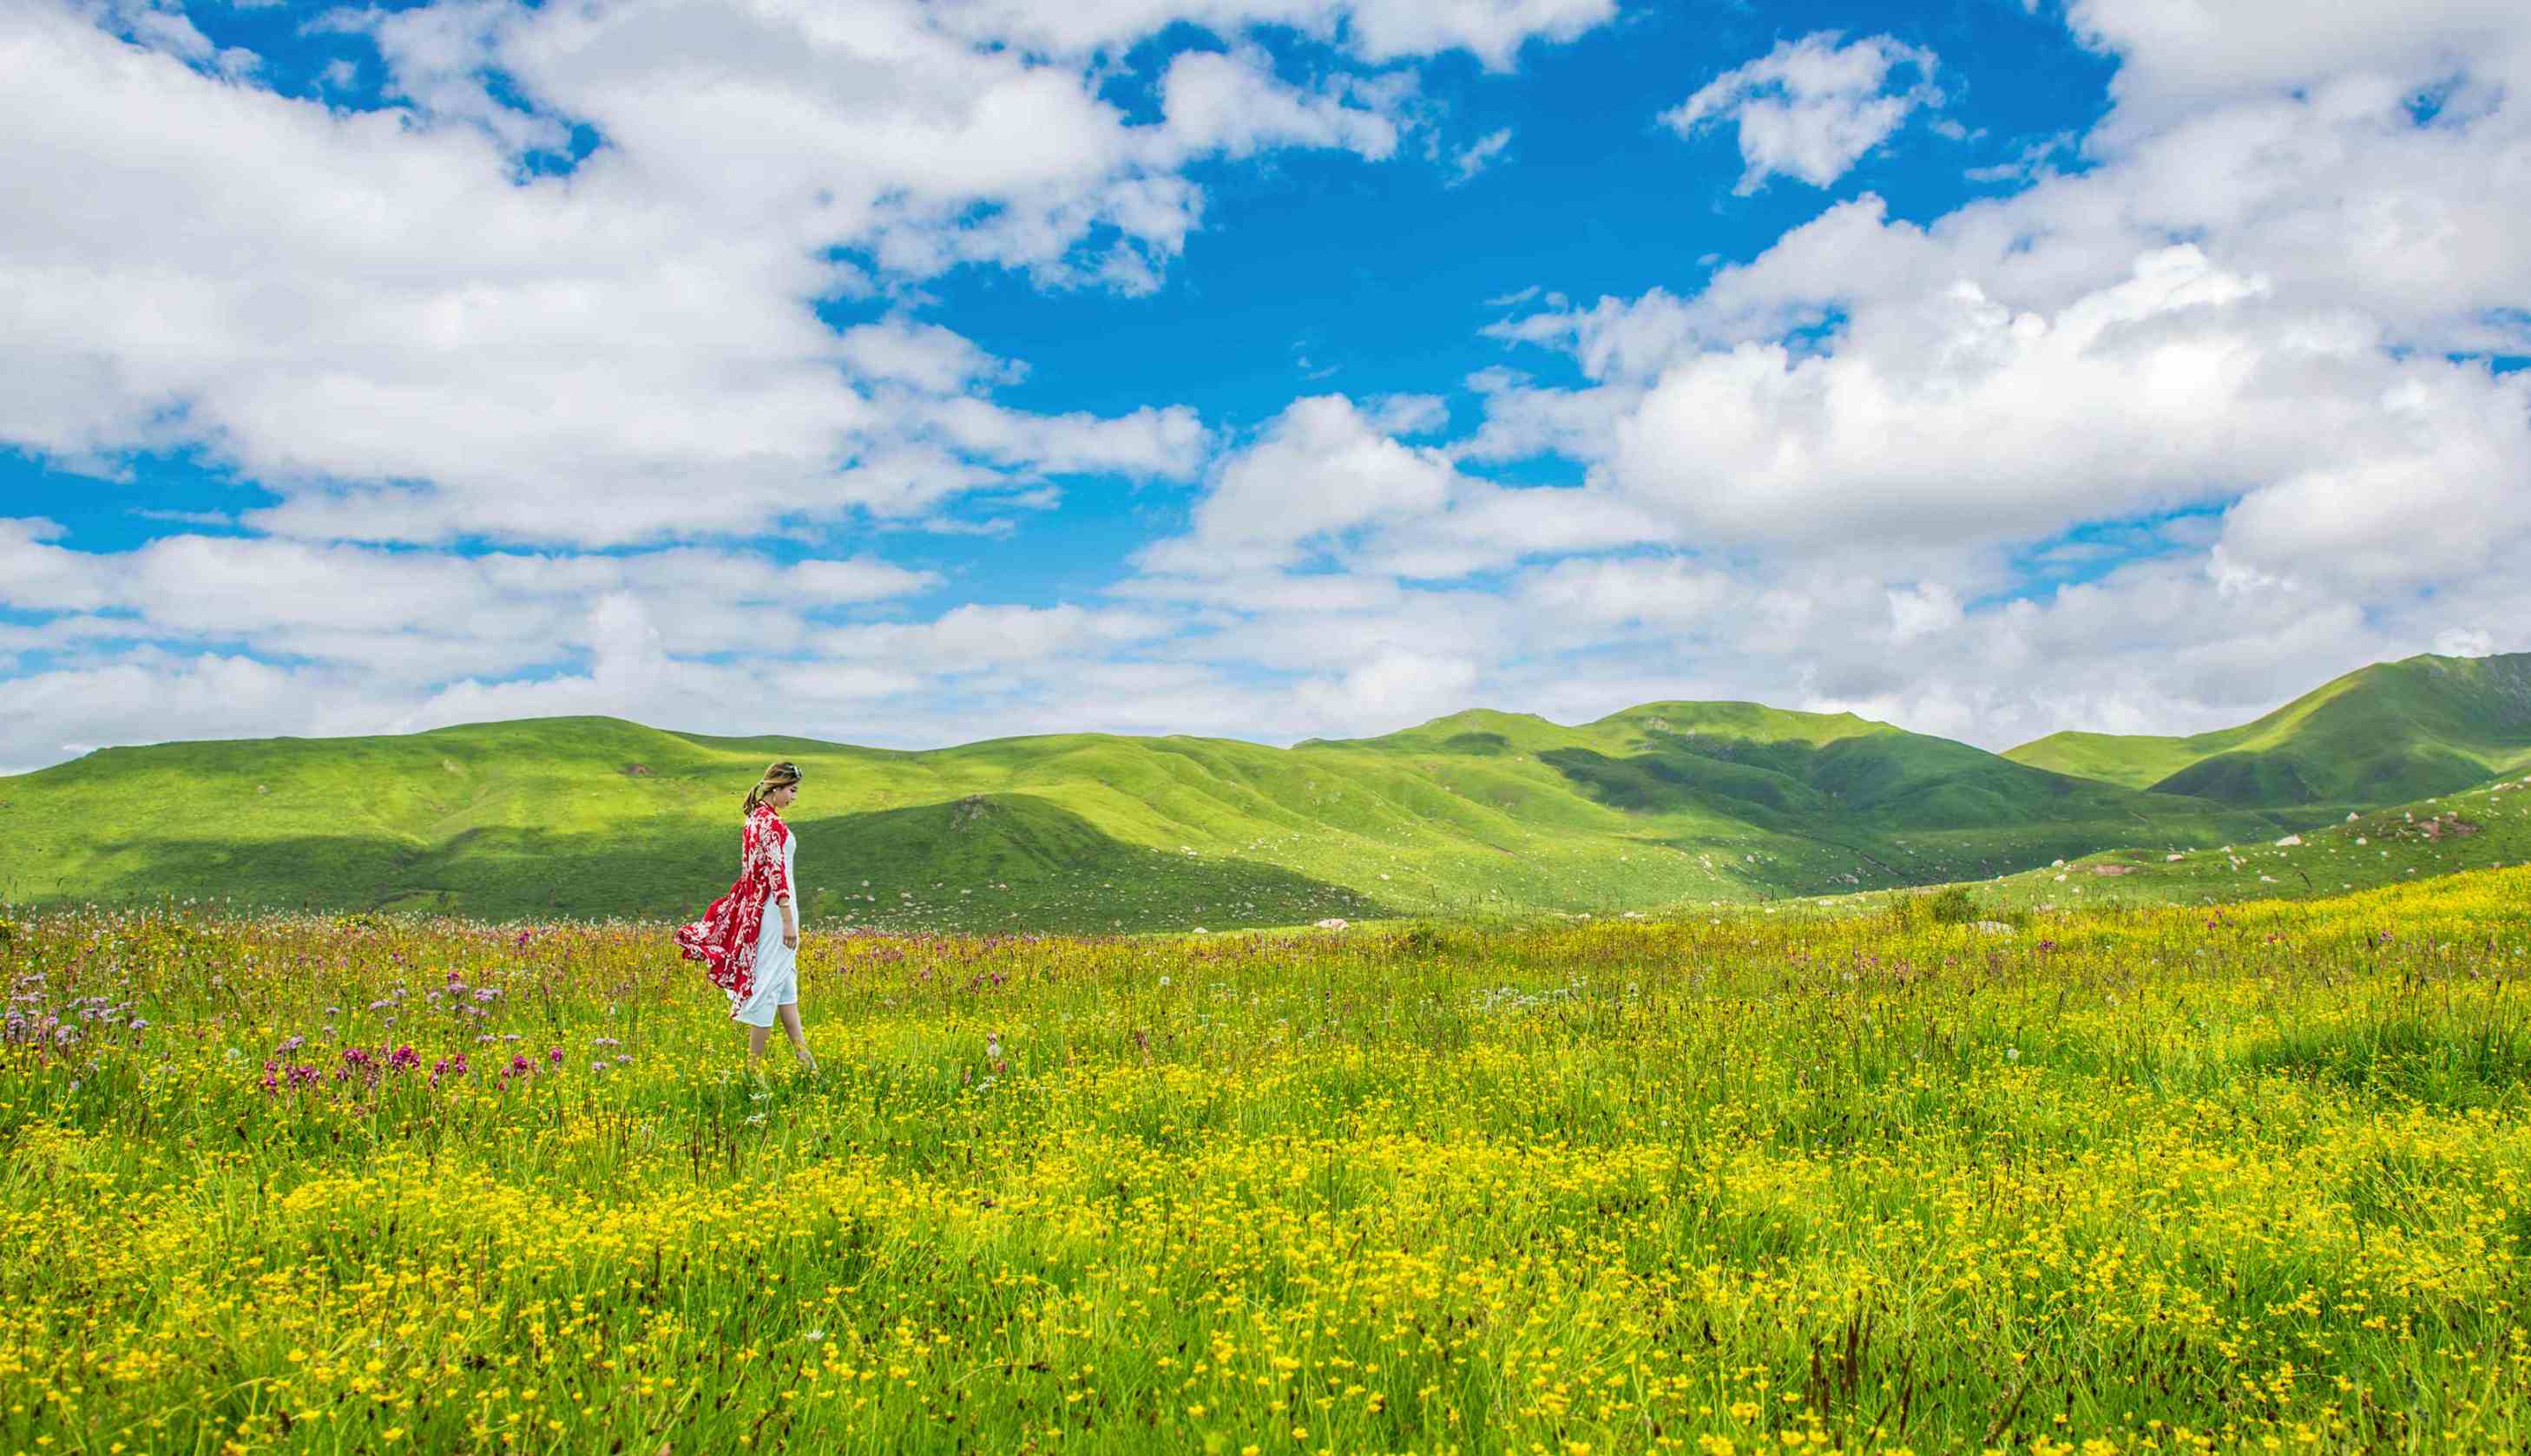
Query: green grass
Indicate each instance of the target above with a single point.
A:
(2384, 734)
(2484, 827)
(2132, 1181)
(1476, 814)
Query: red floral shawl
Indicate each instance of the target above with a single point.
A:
(724, 939)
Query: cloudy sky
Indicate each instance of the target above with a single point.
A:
(910, 374)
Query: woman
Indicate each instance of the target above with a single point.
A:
(748, 953)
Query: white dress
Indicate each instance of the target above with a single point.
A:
(776, 980)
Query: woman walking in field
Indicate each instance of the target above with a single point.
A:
(748, 941)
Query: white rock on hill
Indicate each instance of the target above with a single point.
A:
(2290, 841)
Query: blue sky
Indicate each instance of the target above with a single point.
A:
(920, 374)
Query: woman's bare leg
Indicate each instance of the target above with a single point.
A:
(756, 1037)
(790, 1016)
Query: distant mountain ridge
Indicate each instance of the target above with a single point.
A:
(2384, 734)
(1661, 803)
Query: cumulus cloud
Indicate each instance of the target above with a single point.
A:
(2176, 61)
(1922, 610)
(1327, 480)
(1669, 594)
(923, 355)
(389, 319)
(1958, 416)
(1320, 470)
(1235, 105)
(418, 616)
(1394, 686)
(1810, 108)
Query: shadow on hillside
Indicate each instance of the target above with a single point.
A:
(1888, 809)
(1906, 781)
(2397, 774)
(987, 862)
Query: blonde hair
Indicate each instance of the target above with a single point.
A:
(776, 775)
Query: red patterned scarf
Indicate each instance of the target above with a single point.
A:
(724, 939)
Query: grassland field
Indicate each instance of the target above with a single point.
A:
(1838, 1177)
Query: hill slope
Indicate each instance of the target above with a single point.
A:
(2384, 734)
(2485, 826)
(590, 817)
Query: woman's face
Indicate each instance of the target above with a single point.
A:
(781, 797)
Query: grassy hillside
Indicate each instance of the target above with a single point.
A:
(1663, 804)
(2486, 826)
(2384, 734)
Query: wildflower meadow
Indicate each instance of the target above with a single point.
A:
(2251, 1178)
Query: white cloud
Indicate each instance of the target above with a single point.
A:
(1234, 105)
(2032, 161)
(2175, 60)
(415, 617)
(380, 316)
(440, 58)
(1407, 413)
(926, 356)
(1943, 413)
(975, 637)
(1668, 595)
(1811, 108)
(1319, 470)
(855, 578)
(2465, 642)
(1398, 687)
(1326, 480)
(1922, 610)
(1377, 31)
(1477, 156)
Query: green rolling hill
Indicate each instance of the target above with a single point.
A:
(1665, 804)
(2485, 826)
(2386, 734)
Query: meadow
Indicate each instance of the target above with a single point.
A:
(2121, 1179)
